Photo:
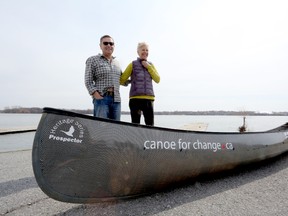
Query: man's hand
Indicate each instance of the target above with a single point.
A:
(96, 95)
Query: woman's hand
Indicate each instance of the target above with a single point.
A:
(145, 64)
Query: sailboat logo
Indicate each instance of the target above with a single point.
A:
(70, 131)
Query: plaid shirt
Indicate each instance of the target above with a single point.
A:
(100, 75)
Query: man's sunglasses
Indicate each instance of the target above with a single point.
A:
(110, 43)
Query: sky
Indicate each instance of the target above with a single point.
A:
(229, 55)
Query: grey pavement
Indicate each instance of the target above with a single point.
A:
(261, 189)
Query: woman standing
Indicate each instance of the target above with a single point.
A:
(142, 72)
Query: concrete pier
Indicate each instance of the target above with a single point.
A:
(199, 126)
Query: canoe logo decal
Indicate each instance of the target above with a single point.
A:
(184, 145)
(67, 130)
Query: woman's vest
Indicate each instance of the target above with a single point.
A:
(141, 80)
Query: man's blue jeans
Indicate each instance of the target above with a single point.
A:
(107, 108)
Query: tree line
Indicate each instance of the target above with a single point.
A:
(90, 111)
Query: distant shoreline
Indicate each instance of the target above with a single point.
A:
(38, 110)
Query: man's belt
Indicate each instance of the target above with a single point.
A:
(109, 92)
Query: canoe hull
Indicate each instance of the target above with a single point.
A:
(82, 159)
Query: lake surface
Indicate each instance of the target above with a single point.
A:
(24, 141)
(215, 123)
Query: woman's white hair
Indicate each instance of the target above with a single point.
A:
(142, 44)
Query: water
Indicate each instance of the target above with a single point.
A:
(23, 141)
(14, 121)
(15, 142)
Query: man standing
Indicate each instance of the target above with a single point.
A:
(102, 80)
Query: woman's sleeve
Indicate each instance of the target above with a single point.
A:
(154, 74)
(126, 74)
